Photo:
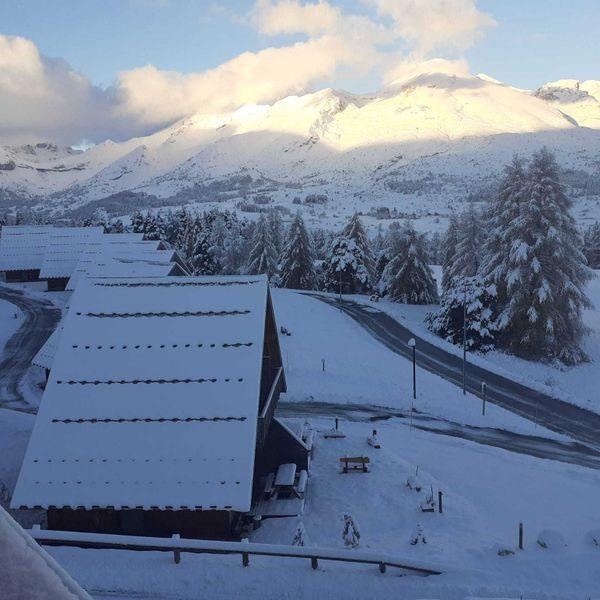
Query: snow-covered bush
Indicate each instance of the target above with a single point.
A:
(350, 533)
(349, 268)
(480, 301)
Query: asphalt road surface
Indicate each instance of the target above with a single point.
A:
(580, 424)
(40, 320)
(539, 447)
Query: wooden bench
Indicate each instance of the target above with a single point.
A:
(355, 463)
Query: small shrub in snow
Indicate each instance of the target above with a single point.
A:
(552, 539)
(418, 536)
(350, 534)
(299, 536)
(480, 307)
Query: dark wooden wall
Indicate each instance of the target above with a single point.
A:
(199, 524)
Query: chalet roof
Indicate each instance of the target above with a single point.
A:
(64, 247)
(111, 245)
(153, 397)
(22, 247)
(45, 355)
(30, 572)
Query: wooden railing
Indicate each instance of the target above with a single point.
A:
(245, 549)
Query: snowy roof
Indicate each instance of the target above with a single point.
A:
(22, 247)
(30, 572)
(111, 245)
(159, 263)
(65, 245)
(153, 397)
(45, 355)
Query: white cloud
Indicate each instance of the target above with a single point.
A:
(251, 77)
(43, 98)
(291, 16)
(428, 25)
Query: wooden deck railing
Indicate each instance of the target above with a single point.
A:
(244, 549)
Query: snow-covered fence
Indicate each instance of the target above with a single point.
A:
(244, 548)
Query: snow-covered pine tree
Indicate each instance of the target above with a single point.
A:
(546, 271)
(501, 217)
(591, 245)
(150, 227)
(469, 239)
(202, 260)
(298, 259)
(449, 243)
(262, 258)
(277, 231)
(137, 222)
(235, 250)
(480, 301)
(349, 268)
(407, 277)
(350, 533)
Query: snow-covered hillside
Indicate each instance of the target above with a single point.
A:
(418, 144)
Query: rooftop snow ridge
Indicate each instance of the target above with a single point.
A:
(199, 313)
(137, 284)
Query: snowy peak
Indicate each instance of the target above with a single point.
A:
(578, 99)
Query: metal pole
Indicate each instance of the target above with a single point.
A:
(340, 292)
(464, 373)
(412, 343)
(414, 372)
(483, 388)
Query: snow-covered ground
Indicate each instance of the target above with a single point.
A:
(487, 492)
(359, 369)
(578, 385)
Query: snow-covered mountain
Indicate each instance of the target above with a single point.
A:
(417, 144)
(578, 99)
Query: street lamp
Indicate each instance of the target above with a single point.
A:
(464, 369)
(413, 344)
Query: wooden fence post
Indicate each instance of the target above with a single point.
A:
(382, 567)
(245, 559)
(520, 536)
(440, 506)
(323, 361)
(314, 563)
(176, 553)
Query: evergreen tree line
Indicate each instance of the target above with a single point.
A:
(518, 269)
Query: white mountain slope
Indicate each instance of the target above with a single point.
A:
(432, 134)
(579, 99)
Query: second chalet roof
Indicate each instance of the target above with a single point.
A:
(153, 397)
(64, 247)
(22, 247)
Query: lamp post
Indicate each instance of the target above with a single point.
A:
(464, 369)
(413, 344)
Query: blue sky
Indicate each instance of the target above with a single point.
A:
(535, 40)
(118, 68)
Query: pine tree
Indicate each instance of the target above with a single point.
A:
(479, 299)
(349, 269)
(277, 231)
(262, 258)
(298, 260)
(235, 250)
(407, 277)
(501, 217)
(591, 245)
(546, 271)
(467, 253)
(137, 222)
(202, 261)
(449, 249)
